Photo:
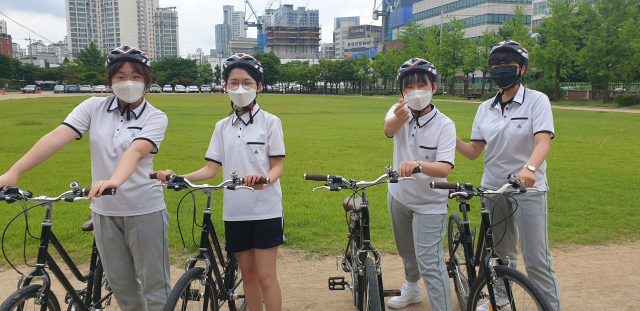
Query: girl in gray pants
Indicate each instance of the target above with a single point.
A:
(423, 138)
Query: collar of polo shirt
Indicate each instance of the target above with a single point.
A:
(519, 98)
(245, 117)
(113, 105)
(423, 120)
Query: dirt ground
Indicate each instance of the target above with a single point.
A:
(590, 277)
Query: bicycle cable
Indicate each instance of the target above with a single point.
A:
(184, 245)
(504, 232)
(25, 238)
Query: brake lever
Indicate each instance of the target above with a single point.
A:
(232, 187)
(321, 187)
(406, 178)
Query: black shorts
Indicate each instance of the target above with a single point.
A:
(245, 235)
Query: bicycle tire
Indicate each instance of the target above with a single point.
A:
(20, 299)
(235, 274)
(372, 292)
(189, 286)
(526, 295)
(455, 235)
(355, 293)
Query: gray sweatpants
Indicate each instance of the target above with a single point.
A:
(419, 240)
(528, 225)
(135, 256)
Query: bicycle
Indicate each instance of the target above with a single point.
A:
(472, 272)
(366, 274)
(208, 288)
(41, 296)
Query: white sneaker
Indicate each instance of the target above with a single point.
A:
(501, 302)
(408, 297)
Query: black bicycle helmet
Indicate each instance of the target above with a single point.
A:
(416, 65)
(129, 53)
(511, 46)
(245, 61)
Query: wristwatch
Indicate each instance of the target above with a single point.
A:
(530, 167)
(419, 165)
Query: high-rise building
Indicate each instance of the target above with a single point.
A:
(338, 20)
(301, 16)
(166, 32)
(237, 25)
(350, 39)
(477, 15)
(110, 24)
(3, 26)
(223, 36)
(17, 52)
(227, 10)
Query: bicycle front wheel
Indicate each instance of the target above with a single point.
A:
(190, 294)
(372, 293)
(522, 295)
(24, 299)
(457, 261)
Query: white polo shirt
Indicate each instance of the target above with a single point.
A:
(510, 138)
(110, 135)
(432, 138)
(247, 148)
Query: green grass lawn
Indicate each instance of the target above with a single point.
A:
(593, 168)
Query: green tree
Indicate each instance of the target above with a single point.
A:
(270, 64)
(91, 57)
(608, 22)
(488, 40)
(452, 51)
(473, 60)
(516, 30)
(559, 46)
(8, 67)
(175, 70)
(217, 75)
(205, 73)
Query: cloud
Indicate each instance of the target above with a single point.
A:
(50, 7)
(52, 27)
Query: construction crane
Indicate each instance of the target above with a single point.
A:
(259, 23)
(381, 10)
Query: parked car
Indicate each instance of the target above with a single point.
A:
(192, 89)
(154, 88)
(72, 88)
(219, 89)
(85, 89)
(180, 89)
(59, 88)
(167, 89)
(29, 89)
(107, 89)
(205, 88)
(99, 89)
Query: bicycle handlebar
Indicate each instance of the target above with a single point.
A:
(443, 185)
(261, 181)
(177, 183)
(337, 183)
(468, 191)
(12, 194)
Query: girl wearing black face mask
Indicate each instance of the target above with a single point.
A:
(516, 127)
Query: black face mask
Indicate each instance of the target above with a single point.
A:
(505, 77)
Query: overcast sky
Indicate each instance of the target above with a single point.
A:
(197, 18)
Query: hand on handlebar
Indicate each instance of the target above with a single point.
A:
(8, 179)
(251, 181)
(407, 168)
(163, 176)
(100, 186)
(527, 178)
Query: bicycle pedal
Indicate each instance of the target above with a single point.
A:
(337, 283)
(451, 268)
(392, 293)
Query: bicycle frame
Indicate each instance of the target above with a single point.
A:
(44, 259)
(210, 249)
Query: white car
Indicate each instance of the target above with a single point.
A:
(192, 89)
(100, 89)
(167, 89)
(85, 89)
(58, 89)
(180, 89)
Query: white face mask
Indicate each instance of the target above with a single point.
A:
(129, 91)
(418, 99)
(242, 97)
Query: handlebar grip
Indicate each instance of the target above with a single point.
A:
(443, 185)
(316, 177)
(261, 181)
(108, 191)
(417, 170)
(155, 176)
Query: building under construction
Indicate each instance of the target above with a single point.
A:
(292, 42)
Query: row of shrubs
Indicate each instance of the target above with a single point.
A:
(627, 100)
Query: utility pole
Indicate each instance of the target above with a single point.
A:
(29, 51)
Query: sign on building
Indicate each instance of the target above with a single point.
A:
(357, 31)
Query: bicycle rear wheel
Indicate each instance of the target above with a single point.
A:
(24, 299)
(234, 279)
(372, 292)
(523, 295)
(190, 294)
(101, 289)
(457, 262)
